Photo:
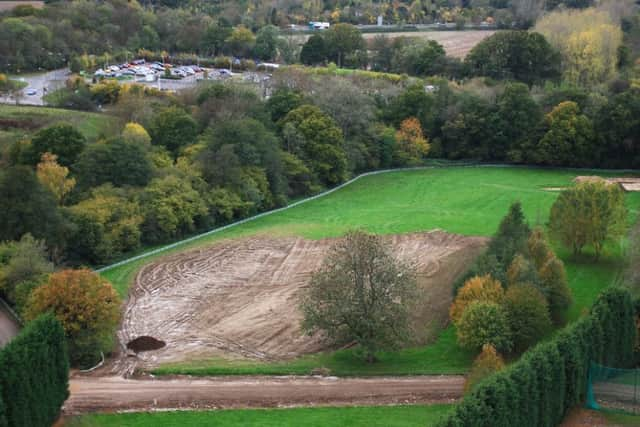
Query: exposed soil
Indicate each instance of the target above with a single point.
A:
(239, 298)
(145, 343)
(455, 43)
(627, 183)
(108, 394)
(581, 417)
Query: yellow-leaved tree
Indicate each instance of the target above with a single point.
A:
(134, 133)
(411, 144)
(54, 177)
(588, 40)
(487, 362)
(479, 288)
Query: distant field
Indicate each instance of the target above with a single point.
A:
(455, 43)
(469, 201)
(378, 416)
(18, 122)
(9, 5)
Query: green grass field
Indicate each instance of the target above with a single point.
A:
(91, 125)
(468, 201)
(378, 416)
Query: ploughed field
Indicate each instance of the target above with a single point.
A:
(240, 298)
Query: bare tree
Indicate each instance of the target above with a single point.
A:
(361, 294)
(526, 12)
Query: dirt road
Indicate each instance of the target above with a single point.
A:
(107, 394)
(9, 327)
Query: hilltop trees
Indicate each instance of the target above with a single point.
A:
(63, 140)
(362, 294)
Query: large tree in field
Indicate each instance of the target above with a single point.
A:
(63, 140)
(519, 55)
(589, 213)
(87, 306)
(342, 40)
(361, 294)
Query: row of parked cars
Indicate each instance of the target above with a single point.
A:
(148, 70)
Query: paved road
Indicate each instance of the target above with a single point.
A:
(107, 394)
(51, 80)
(9, 328)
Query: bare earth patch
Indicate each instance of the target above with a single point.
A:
(239, 298)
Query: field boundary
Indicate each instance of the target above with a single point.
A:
(330, 191)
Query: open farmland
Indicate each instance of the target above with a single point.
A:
(455, 43)
(6, 5)
(468, 201)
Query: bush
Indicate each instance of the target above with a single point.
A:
(478, 288)
(488, 362)
(550, 379)
(34, 375)
(528, 315)
(484, 322)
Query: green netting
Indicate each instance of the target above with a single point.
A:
(613, 389)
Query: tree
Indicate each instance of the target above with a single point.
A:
(342, 40)
(240, 42)
(569, 139)
(411, 145)
(478, 288)
(113, 161)
(37, 214)
(488, 362)
(420, 58)
(134, 133)
(511, 237)
(528, 315)
(171, 208)
(282, 101)
(54, 177)
(63, 140)
(484, 322)
(322, 143)
(266, 47)
(87, 306)
(314, 51)
(174, 129)
(360, 294)
(588, 41)
(23, 264)
(590, 213)
(519, 55)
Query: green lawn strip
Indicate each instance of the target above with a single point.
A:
(468, 201)
(619, 419)
(91, 125)
(442, 357)
(371, 416)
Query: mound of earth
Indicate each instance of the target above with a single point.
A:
(240, 298)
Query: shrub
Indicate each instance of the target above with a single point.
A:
(488, 362)
(478, 288)
(528, 315)
(484, 322)
(34, 375)
(550, 379)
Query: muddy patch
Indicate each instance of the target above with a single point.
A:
(145, 343)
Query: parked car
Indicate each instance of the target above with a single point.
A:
(31, 92)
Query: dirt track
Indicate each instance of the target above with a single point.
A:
(239, 298)
(107, 394)
(8, 327)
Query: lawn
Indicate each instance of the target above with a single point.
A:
(30, 119)
(468, 201)
(382, 416)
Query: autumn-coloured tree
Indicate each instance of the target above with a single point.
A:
(411, 145)
(54, 177)
(487, 362)
(134, 133)
(87, 306)
(478, 288)
(521, 270)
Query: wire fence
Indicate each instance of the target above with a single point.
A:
(613, 389)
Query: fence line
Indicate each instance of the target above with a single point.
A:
(326, 193)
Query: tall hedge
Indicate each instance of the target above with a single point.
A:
(34, 375)
(548, 380)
